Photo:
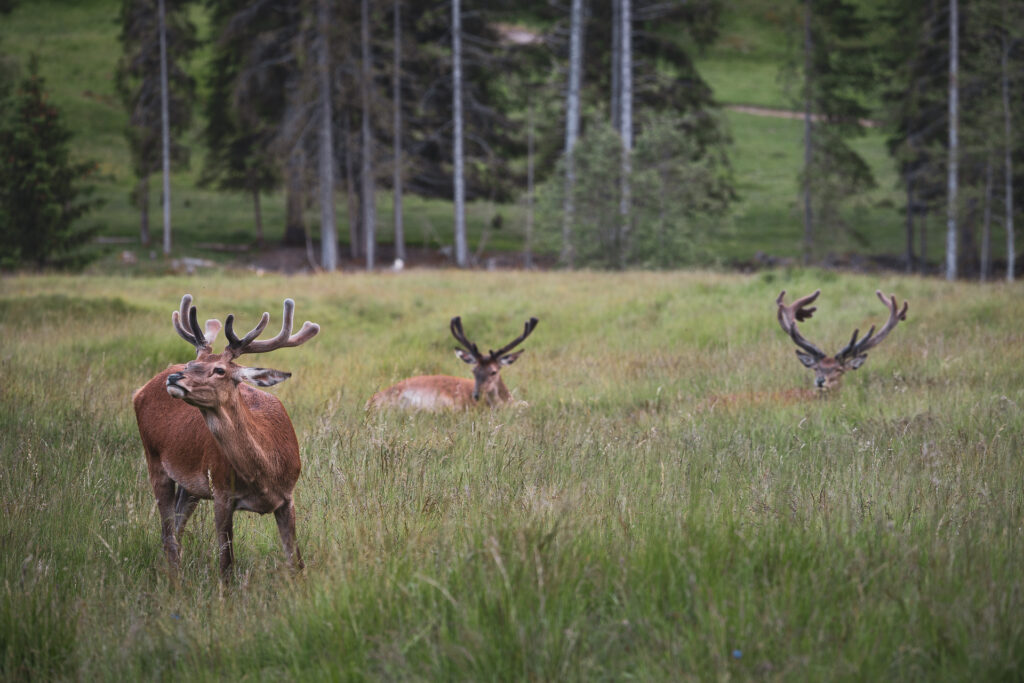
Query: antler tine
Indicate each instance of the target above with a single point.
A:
(194, 334)
(239, 346)
(527, 329)
(798, 311)
(283, 339)
(870, 341)
(460, 336)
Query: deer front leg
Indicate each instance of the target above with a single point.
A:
(163, 489)
(184, 505)
(223, 510)
(285, 516)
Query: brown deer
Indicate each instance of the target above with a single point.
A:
(209, 435)
(441, 392)
(829, 370)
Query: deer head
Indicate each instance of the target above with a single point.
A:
(487, 368)
(829, 370)
(212, 378)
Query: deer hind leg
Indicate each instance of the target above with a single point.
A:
(285, 516)
(184, 505)
(223, 511)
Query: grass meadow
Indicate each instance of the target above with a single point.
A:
(623, 525)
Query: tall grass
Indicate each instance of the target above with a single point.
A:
(621, 525)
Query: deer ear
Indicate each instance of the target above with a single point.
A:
(511, 358)
(261, 377)
(807, 359)
(858, 361)
(465, 357)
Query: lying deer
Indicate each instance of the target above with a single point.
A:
(441, 392)
(829, 370)
(209, 435)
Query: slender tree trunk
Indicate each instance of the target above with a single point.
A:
(461, 248)
(354, 226)
(165, 127)
(572, 128)
(295, 223)
(368, 189)
(328, 227)
(143, 198)
(808, 142)
(909, 257)
(625, 198)
(1007, 152)
(397, 104)
(954, 94)
(257, 214)
(615, 106)
(528, 246)
(986, 224)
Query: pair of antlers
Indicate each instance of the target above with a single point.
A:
(202, 339)
(798, 311)
(460, 336)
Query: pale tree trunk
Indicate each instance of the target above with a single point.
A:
(461, 248)
(986, 224)
(626, 76)
(528, 246)
(808, 142)
(354, 231)
(368, 189)
(572, 127)
(397, 103)
(1007, 152)
(143, 199)
(954, 94)
(328, 228)
(165, 127)
(615, 106)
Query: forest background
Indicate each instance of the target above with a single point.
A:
(713, 179)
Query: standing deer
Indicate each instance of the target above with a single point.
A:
(828, 371)
(440, 392)
(207, 434)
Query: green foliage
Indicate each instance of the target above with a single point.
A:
(42, 198)
(629, 523)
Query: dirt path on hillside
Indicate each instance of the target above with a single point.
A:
(787, 114)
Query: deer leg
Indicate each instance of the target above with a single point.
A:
(223, 509)
(163, 489)
(184, 505)
(285, 516)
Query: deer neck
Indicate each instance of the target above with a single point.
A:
(500, 395)
(240, 439)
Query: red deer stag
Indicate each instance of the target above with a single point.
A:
(209, 435)
(829, 370)
(440, 392)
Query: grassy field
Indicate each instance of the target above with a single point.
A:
(624, 525)
(78, 49)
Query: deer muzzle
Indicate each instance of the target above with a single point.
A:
(173, 388)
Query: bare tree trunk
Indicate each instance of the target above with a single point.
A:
(808, 143)
(572, 128)
(1007, 151)
(328, 228)
(626, 61)
(461, 248)
(528, 246)
(257, 214)
(615, 106)
(143, 199)
(354, 230)
(399, 228)
(986, 224)
(295, 223)
(954, 93)
(909, 257)
(368, 189)
(165, 128)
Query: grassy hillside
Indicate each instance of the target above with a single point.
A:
(657, 512)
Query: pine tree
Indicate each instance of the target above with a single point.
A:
(42, 196)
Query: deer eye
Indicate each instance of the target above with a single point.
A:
(218, 371)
